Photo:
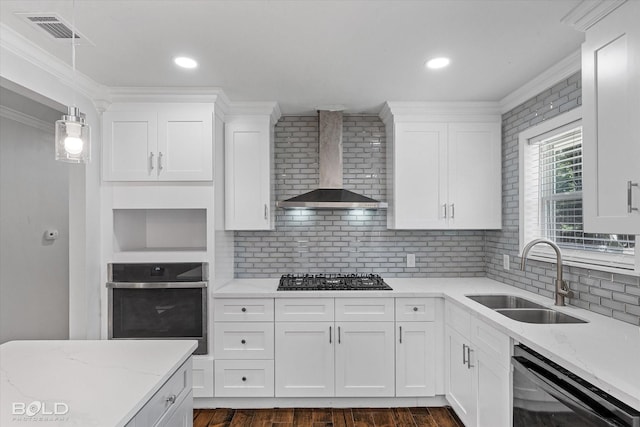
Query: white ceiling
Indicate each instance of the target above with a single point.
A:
(305, 53)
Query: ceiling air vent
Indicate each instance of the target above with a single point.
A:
(55, 26)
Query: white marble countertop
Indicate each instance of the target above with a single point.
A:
(102, 383)
(604, 351)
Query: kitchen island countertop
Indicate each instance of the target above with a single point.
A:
(97, 383)
(603, 351)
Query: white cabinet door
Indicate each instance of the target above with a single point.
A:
(202, 376)
(248, 174)
(129, 141)
(419, 181)
(365, 359)
(304, 359)
(459, 380)
(415, 359)
(185, 146)
(611, 129)
(492, 386)
(474, 176)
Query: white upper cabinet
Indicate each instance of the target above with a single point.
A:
(174, 144)
(611, 125)
(444, 167)
(248, 165)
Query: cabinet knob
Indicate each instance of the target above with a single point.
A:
(171, 399)
(415, 308)
(243, 341)
(244, 379)
(244, 309)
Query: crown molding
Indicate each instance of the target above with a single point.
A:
(20, 46)
(26, 119)
(264, 108)
(562, 70)
(588, 12)
(393, 111)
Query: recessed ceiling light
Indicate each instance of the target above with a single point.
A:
(436, 63)
(185, 62)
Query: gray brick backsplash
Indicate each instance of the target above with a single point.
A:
(346, 242)
(318, 241)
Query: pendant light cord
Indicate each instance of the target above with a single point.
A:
(73, 50)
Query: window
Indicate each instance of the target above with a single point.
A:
(551, 197)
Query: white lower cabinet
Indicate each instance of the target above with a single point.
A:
(202, 376)
(478, 373)
(169, 405)
(304, 359)
(415, 359)
(365, 359)
(316, 356)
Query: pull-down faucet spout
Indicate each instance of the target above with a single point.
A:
(562, 289)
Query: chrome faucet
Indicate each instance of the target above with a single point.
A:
(562, 289)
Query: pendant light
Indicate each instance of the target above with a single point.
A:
(73, 134)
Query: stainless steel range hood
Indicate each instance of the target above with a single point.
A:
(331, 195)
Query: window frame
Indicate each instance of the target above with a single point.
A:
(573, 257)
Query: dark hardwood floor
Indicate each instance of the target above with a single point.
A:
(307, 417)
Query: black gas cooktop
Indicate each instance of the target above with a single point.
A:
(332, 282)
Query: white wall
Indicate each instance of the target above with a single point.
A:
(34, 197)
(29, 67)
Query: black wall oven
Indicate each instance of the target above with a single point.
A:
(547, 395)
(158, 301)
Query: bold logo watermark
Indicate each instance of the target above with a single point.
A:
(39, 411)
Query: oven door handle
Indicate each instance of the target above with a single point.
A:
(561, 393)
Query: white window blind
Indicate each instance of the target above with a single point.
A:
(552, 202)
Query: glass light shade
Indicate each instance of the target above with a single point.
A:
(73, 138)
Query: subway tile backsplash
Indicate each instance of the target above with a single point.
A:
(318, 241)
(339, 241)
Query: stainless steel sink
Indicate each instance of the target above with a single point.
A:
(503, 301)
(540, 316)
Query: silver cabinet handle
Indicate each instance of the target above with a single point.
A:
(453, 210)
(444, 210)
(630, 185)
(400, 334)
(266, 211)
(469, 365)
(330, 334)
(159, 160)
(339, 335)
(151, 161)
(171, 399)
(464, 354)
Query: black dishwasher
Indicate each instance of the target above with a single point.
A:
(547, 395)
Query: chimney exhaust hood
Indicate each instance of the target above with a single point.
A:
(331, 195)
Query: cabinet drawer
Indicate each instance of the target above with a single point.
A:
(494, 343)
(171, 393)
(304, 310)
(364, 309)
(458, 319)
(241, 378)
(248, 340)
(243, 310)
(415, 309)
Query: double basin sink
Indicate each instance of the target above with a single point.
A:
(523, 310)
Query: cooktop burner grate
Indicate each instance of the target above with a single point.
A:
(332, 282)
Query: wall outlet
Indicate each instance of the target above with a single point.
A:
(411, 260)
(505, 261)
(51, 234)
